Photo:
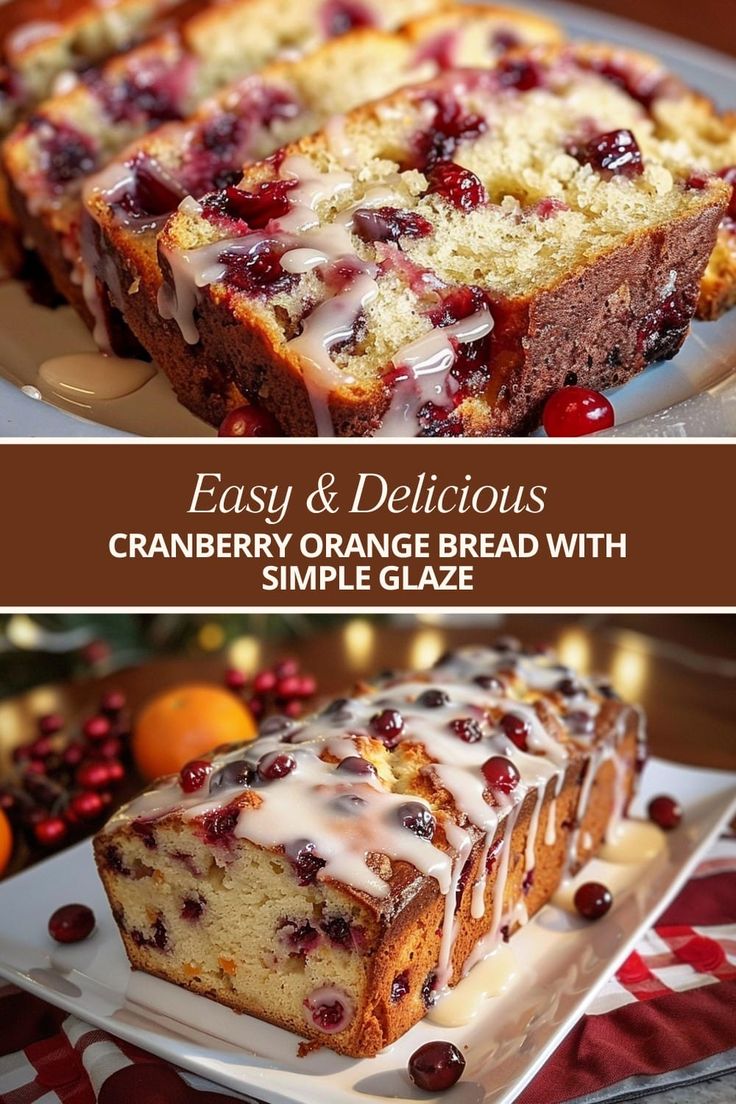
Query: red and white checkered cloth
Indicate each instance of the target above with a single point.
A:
(671, 1005)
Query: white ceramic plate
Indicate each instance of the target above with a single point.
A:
(565, 962)
(694, 395)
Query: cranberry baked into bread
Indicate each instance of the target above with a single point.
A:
(76, 133)
(41, 40)
(337, 876)
(131, 198)
(466, 248)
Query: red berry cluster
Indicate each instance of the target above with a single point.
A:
(283, 688)
(64, 779)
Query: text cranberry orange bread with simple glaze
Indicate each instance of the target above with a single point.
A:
(339, 874)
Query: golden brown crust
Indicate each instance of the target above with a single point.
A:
(403, 936)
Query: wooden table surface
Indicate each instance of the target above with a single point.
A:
(711, 22)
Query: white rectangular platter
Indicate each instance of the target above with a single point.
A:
(565, 962)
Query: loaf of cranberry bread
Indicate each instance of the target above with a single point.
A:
(465, 249)
(42, 41)
(130, 199)
(339, 875)
(76, 133)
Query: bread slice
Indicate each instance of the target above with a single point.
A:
(694, 131)
(337, 876)
(73, 134)
(506, 258)
(248, 121)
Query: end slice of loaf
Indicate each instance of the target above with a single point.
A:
(505, 259)
(339, 875)
(247, 122)
(48, 157)
(43, 42)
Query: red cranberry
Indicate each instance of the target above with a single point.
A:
(289, 687)
(436, 1066)
(306, 863)
(399, 987)
(302, 938)
(192, 908)
(160, 935)
(71, 923)
(593, 900)
(500, 773)
(66, 153)
(458, 186)
(433, 699)
(388, 725)
(450, 126)
(389, 224)
(417, 818)
(51, 831)
(219, 825)
(329, 1013)
(96, 728)
(575, 411)
(112, 703)
(615, 152)
(293, 709)
(96, 652)
(154, 194)
(275, 765)
(235, 679)
(111, 748)
(458, 303)
(467, 729)
(355, 764)
(521, 74)
(73, 754)
(264, 682)
(268, 201)
(50, 724)
(93, 775)
(249, 421)
(490, 683)
(115, 771)
(86, 806)
(239, 774)
(341, 16)
(193, 776)
(569, 687)
(516, 729)
(339, 931)
(285, 668)
(41, 748)
(665, 812)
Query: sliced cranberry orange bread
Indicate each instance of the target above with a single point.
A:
(130, 199)
(339, 875)
(74, 134)
(466, 248)
(41, 40)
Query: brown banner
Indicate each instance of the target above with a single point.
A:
(366, 524)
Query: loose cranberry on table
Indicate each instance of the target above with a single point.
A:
(665, 812)
(436, 1066)
(576, 411)
(50, 831)
(593, 900)
(71, 923)
(249, 421)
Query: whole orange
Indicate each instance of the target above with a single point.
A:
(186, 722)
(6, 841)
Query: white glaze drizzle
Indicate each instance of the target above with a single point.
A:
(350, 818)
(427, 363)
